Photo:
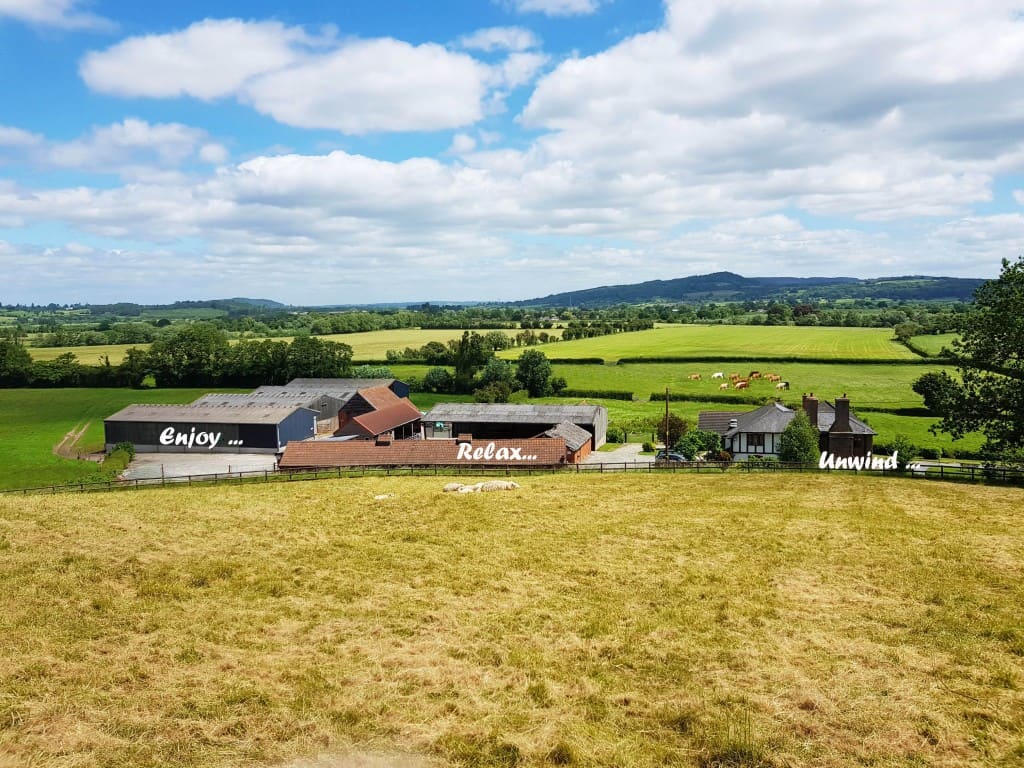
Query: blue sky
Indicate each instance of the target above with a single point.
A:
(500, 149)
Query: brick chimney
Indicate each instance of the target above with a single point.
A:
(842, 422)
(811, 409)
(385, 438)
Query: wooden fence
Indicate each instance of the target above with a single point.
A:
(950, 472)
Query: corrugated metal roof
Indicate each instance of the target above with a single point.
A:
(511, 413)
(208, 414)
(256, 399)
(339, 385)
(575, 437)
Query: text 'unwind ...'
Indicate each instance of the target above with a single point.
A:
(194, 439)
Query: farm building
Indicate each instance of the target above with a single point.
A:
(327, 405)
(261, 428)
(400, 388)
(385, 452)
(503, 421)
(757, 432)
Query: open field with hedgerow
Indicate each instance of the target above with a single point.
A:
(35, 421)
(934, 343)
(724, 341)
(371, 345)
(713, 620)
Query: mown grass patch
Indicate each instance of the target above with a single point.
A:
(614, 620)
(736, 340)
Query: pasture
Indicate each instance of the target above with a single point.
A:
(879, 386)
(934, 343)
(715, 620)
(736, 340)
(371, 345)
(36, 420)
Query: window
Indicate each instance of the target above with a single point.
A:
(755, 440)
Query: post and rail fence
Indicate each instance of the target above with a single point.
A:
(938, 471)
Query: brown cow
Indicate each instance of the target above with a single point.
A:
(742, 384)
(694, 377)
(754, 375)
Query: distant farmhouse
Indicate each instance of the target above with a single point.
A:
(757, 432)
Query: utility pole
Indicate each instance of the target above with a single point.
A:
(666, 422)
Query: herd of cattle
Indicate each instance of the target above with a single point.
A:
(739, 382)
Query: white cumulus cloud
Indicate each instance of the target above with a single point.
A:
(556, 7)
(65, 14)
(500, 39)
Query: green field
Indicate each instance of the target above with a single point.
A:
(36, 420)
(934, 343)
(878, 386)
(695, 621)
(736, 340)
(372, 345)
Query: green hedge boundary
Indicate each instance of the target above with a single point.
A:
(721, 399)
(780, 360)
(606, 394)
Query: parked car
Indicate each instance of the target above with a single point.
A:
(669, 456)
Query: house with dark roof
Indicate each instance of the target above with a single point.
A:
(757, 432)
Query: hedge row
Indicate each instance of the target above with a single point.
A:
(919, 411)
(576, 360)
(923, 353)
(607, 394)
(780, 360)
(742, 399)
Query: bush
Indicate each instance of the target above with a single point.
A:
(615, 435)
(931, 453)
(648, 447)
(127, 447)
(904, 449)
(604, 394)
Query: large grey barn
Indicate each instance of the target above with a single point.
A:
(254, 428)
(512, 421)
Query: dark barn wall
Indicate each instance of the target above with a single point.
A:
(145, 436)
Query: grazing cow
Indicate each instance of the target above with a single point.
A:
(723, 385)
(717, 375)
(694, 377)
(782, 385)
(754, 375)
(773, 377)
(733, 376)
(742, 384)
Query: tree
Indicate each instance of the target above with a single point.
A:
(677, 427)
(15, 364)
(799, 440)
(437, 380)
(697, 442)
(939, 391)
(990, 361)
(310, 357)
(534, 373)
(191, 356)
(469, 354)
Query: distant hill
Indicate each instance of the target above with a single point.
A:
(728, 286)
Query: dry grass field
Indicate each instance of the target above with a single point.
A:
(711, 620)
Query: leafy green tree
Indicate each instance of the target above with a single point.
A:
(698, 441)
(497, 340)
(939, 391)
(438, 380)
(498, 371)
(495, 392)
(677, 427)
(193, 355)
(469, 354)
(15, 364)
(799, 440)
(534, 373)
(310, 357)
(990, 361)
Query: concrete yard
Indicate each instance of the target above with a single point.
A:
(150, 466)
